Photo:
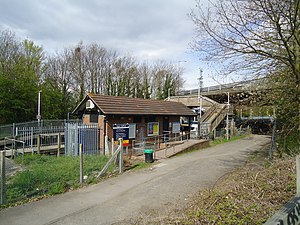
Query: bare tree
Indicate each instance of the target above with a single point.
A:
(249, 34)
(259, 37)
(166, 80)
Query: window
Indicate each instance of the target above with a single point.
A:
(93, 118)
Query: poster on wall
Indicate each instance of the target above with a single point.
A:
(153, 129)
(176, 127)
(132, 130)
(121, 131)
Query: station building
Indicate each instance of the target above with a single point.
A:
(144, 118)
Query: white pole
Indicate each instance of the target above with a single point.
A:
(200, 101)
(121, 163)
(227, 119)
(39, 107)
(80, 164)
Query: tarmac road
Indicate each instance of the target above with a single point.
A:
(135, 193)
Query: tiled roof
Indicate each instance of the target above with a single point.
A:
(120, 105)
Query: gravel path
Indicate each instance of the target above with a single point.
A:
(121, 199)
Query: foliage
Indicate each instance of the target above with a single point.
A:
(260, 38)
(20, 63)
(65, 77)
(92, 68)
(48, 175)
(248, 195)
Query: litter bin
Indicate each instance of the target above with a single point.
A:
(148, 155)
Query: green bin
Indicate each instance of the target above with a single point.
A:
(149, 155)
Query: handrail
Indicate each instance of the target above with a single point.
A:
(14, 142)
(143, 144)
(219, 117)
(208, 113)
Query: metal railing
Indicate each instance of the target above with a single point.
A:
(11, 130)
(87, 135)
(161, 142)
(12, 145)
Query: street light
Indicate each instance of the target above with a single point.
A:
(227, 117)
(39, 107)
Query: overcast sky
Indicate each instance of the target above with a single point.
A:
(146, 29)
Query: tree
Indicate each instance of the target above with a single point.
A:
(21, 64)
(58, 84)
(166, 79)
(259, 37)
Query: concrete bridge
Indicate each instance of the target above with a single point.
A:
(225, 101)
(241, 93)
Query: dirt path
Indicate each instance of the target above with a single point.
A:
(117, 200)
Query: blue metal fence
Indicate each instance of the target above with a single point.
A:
(87, 135)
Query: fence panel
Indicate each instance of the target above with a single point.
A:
(87, 135)
(89, 138)
(71, 139)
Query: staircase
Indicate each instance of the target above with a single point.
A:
(213, 117)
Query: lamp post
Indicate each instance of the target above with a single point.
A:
(39, 107)
(227, 117)
(200, 101)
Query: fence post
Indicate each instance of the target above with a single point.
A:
(15, 149)
(121, 163)
(3, 178)
(58, 144)
(38, 144)
(112, 146)
(106, 147)
(81, 163)
(13, 130)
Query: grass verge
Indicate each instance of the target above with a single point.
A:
(250, 194)
(224, 140)
(47, 175)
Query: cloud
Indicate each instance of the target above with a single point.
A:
(147, 30)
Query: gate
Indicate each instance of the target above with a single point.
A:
(87, 135)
